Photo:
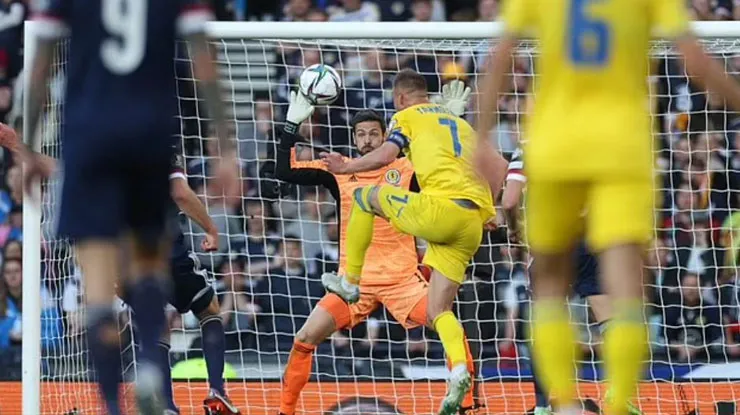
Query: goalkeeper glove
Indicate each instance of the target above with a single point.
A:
(455, 96)
(298, 111)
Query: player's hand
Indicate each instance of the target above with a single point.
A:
(9, 138)
(455, 96)
(210, 242)
(490, 225)
(300, 109)
(514, 235)
(334, 162)
(36, 168)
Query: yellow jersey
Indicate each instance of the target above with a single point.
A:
(440, 146)
(592, 87)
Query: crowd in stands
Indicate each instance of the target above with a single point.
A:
(276, 239)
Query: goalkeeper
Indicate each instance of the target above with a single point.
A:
(391, 270)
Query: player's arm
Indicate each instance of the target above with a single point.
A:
(191, 24)
(38, 87)
(512, 195)
(287, 168)
(380, 157)
(708, 72)
(671, 20)
(188, 202)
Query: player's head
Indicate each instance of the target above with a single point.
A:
(368, 130)
(409, 88)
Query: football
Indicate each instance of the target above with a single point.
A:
(321, 84)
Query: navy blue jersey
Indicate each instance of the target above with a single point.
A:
(120, 79)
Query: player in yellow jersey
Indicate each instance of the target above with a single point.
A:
(449, 213)
(589, 147)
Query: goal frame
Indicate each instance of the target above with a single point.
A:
(31, 347)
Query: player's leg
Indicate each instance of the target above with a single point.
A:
(90, 215)
(620, 224)
(145, 211)
(99, 261)
(331, 314)
(553, 224)
(163, 348)
(397, 303)
(360, 234)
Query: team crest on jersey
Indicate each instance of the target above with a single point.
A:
(393, 177)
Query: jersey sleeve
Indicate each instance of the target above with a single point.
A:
(52, 18)
(669, 18)
(517, 16)
(399, 131)
(177, 167)
(194, 14)
(516, 168)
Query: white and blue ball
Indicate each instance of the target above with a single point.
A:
(321, 84)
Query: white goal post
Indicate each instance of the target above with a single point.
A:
(394, 39)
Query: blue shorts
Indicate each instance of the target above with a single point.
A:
(190, 289)
(586, 283)
(113, 186)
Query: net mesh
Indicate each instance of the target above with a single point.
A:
(277, 239)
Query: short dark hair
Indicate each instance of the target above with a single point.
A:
(410, 79)
(367, 115)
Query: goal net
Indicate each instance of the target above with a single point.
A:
(277, 239)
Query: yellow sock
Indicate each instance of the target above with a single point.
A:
(554, 344)
(359, 235)
(625, 345)
(452, 336)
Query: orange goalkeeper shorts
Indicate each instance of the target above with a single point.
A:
(399, 298)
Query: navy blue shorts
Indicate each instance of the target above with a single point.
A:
(190, 289)
(112, 186)
(587, 273)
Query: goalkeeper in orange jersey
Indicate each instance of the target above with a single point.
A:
(449, 212)
(590, 147)
(393, 278)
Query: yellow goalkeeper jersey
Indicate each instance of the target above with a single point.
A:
(440, 146)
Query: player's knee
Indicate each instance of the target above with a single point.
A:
(360, 196)
(101, 323)
(307, 336)
(206, 305)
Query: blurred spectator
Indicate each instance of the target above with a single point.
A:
(421, 10)
(288, 295)
(371, 90)
(256, 134)
(712, 9)
(262, 240)
(693, 326)
(13, 250)
(11, 305)
(354, 11)
(309, 225)
(297, 10)
(236, 289)
(328, 259)
(487, 10)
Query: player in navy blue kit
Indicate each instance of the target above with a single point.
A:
(118, 122)
(191, 292)
(586, 284)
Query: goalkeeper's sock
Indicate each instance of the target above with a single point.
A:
(452, 336)
(625, 345)
(554, 345)
(163, 349)
(359, 234)
(105, 353)
(297, 373)
(214, 347)
(469, 400)
(148, 302)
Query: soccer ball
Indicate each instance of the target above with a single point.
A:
(321, 84)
